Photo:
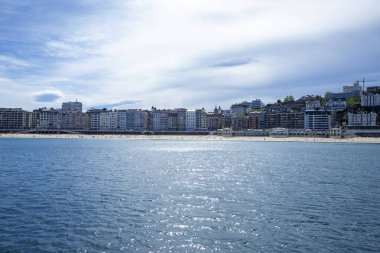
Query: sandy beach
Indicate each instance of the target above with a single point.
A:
(197, 138)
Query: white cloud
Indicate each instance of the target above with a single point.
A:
(12, 62)
(65, 49)
(165, 52)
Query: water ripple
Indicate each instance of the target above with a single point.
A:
(182, 196)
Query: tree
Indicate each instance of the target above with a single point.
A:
(289, 98)
(278, 101)
(329, 95)
(353, 101)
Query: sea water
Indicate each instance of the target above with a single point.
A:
(115, 195)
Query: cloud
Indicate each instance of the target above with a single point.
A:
(12, 62)
(120, 103)
(189, 53)
(46, 97)
(65, 49)
(232, 63)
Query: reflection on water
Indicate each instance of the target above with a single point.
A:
(148, 195)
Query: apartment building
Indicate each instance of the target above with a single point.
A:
(14, 118)
(317, 120)
(361, 119)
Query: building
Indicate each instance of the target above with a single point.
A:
(70, 106)
(225, 132)
(94, 118)
(279, 132)
(104, 120)
(370, 100)
(140, 120)
(227, 118)
(240, 122)
(43, 118)
(159, 119)
(122, 120)
(292, 120)
(276, 108)
(342, 95)
(112, 115)
(14, 118)
(352, 88)
(251, 132)
(317, 120)
(132, 120)
(215, 119)
(349, 91)
(373, 89)
(172, 120)
(190, 120)
(313, 105)
(256, 120)
(241, 108)
(181, 114)
(74, 120)
(46, 119)
(362, 119)
(200, 120)
(336, 132)
(337, 105)
(118, 120)
(257, 104)
(149, 121)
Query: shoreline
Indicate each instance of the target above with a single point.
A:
(196, 138)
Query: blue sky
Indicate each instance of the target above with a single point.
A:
(139, 53)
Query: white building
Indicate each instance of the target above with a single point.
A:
(352, 88)
(104, 120)
(112, 115)
(132, 119)
(317, 120)
(47, 118)
(225, 132)
(94, 118)
(338, 105)
(362, 119)
(122, 119)
(190, 120)
(159, 120)
(370, 100)
(279, 132)
(43, 118)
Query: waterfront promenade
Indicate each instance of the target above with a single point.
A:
(200, 138)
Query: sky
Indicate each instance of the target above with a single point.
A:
(189, 53)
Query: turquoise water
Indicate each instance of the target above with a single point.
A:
(83, 195)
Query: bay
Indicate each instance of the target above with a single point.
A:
(115, 195)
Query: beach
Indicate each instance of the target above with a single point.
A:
(198, 138)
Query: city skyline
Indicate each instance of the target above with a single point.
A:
(136, 54)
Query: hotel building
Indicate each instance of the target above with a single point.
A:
(362, 119)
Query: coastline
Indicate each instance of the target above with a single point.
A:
(197, 138)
